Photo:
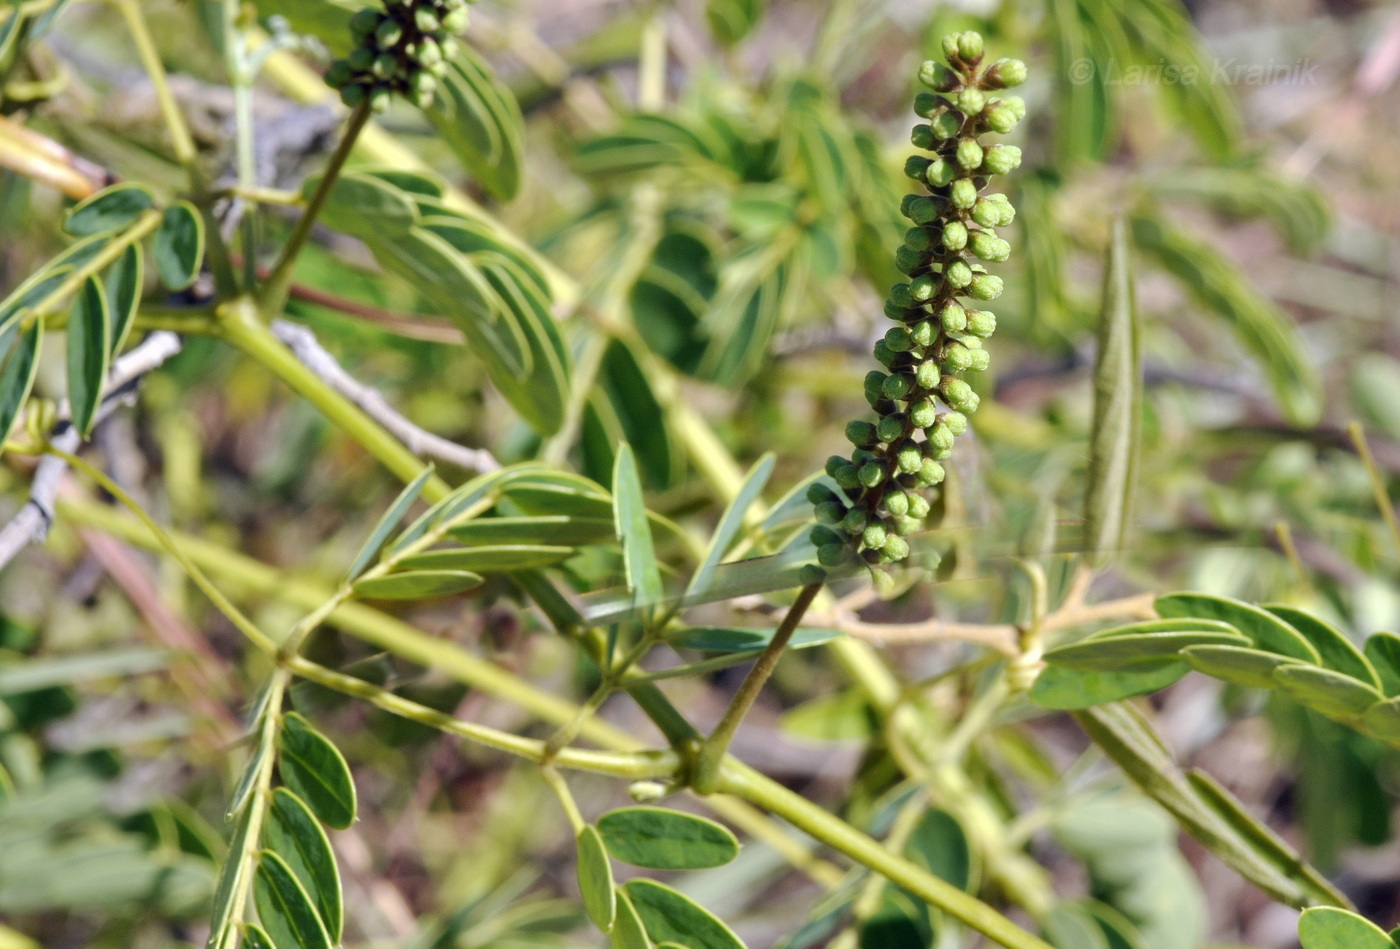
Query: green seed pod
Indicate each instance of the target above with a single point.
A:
(999, 118)
(964, 194)
(898, 386)
(985, 286)
(937, 76)
(928, 374)
(861, 434)
(834, 555)
(352, 94)
(908, 458)
(954, 235)
(1000, 159)
(938, 173)
(945, 125)
(388, 34)
(898, 340)
(871, 474)
(909, 261)
(940, 436)
(959, 396)
(923, 414)
(925, 103)
(874, 535)
(854, 522)
(979, 361)
(339, 73)
(918, 238)
(923, 288)
(918, 506)
(987, 246)
(972, 101)
(958, 274)
(830, 512)
(364, 22)
(981, 323)
(956, 357)
(922, 137)
(915, 166)
(1004, 73)
(908, 524)
(891, 428)
(361, 58)
(456, 21)
(848, 477)
(922, 333)
(931, 473)
(952, 317)
(821, 535)
(809, 575)
(970, 154)
(895, 547)
(970, 47)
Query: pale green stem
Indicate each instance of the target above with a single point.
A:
(1378, 488)
(180, 140)
(113, 249)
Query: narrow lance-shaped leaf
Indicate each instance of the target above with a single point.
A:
(638, 554)
(123, 285)
(284, 908)
(231, 877)
(295, 836)
(20, 349)
(1113, 444)
(418, 584)
(731, 522)
(315, 771)
(388, 522)
(89, 350)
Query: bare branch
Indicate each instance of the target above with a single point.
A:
(32, 522)
(304, 345)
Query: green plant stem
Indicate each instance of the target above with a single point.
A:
(274, 292)
(180, 139)
(113, 249)
(241, 326)
(714, 748)
(236, 55)
(744, 782)
(1378, 488)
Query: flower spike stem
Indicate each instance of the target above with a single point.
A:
(705, 776)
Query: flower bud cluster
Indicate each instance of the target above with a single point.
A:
(920, 401)
(405, 49)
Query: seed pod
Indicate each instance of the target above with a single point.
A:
(981, 323)
(937, 76)
(1004, 73)
(959, 395)
(1000, 159)
(958, 274)
(954, 235)
(985, 286)
(970, 154)
(963, 194)
(953, 317)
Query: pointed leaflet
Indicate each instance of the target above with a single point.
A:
(628, 931)
(1383, 652)
(1113, 444)
(418, 584)
(179, 245)
(1267, 631)
(123, 285)
(745, 638)
(1329, 693)
(630, 521)
(19, 350)
(663, 839)
(1252, 668)
(89, 351)
(731, 522)
(500, 559)
(231, 877)
(480, 121)
(315, 771)
(1114, 653)
(36, 289)
(388, 522)
(284, 908)
(671, 916)
(294, 835)
(595, 879)
(111, 209)
(1061, 688)
(549, 531)
(255, 937)
(1337, 651)
(1325, 927)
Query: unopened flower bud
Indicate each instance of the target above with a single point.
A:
(855, 521)
(937, 76)
(938, 172)
(426, 19)
(1000, 159)
(922, 333)
(923, 414)
(352, 94)
(834, 464)
(830, 512)
(922, 137)
(883, 354)
(456, 21)
(379, 101)
(898, 340)
(950, 45)
(981, 323)
(384, 66)
(339, 73)
(364, 22)
(874, 535)
(958, 274)
(944, 125)
(956, 357)
(970, 154)
(954, 235)
(1016, 104)
(898, 386)
(809, 574)
(979, 360)
(891, 428)
(907, 524)
(895, 547)
(985, 286)
(907, 260)
(956, 422)
(928, 374)
(931, 473)
(925, 103)
(818, 493)
(897, 503)
(918, 238)
(964, 193)
(908, 458)
(833, 555)
(861, 434)
(971, 101)
(388, 34)
(959, 396)
(1004, 73)
(952, 317)
(970, 47)
(918, 506)
(847, 477)
(822, 535)
(429, 53)
(361, 58)
(923, 288)
(940, 436)
(450, 48)
(987, 246)
(871, 474)
(999, 118)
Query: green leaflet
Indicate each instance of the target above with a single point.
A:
(670, 915)
(295, 836)
(1266, 630)
(418, 584)
(1112, 653)
(314, 770)
(502, 559)
(123, 286)
(1382, 650)
(633, 531)
(1330, 693)
(179, 246)
(842, 716)
(595, 879)
(255, 937)
(20, 354)
(628, 931)
(732, 20)
(48, 672)
(745, 639)
(940, 845)
(1070, 927)
(110, 209)
(1325, 927)
(386, 523)
(285, 910)
(1336, 650)
(1251, 668)
(1113, 441)
(363, 205)
(545, 530)
(664, 839)
(731, 523)
(479, 119)
(1061, 688)
(89, 352)
(33, 291)
(900, 921)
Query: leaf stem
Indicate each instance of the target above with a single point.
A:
(1378, 488)
(712, 751)
(114, 248)
(180, 140)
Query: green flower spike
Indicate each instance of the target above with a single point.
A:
(922, 404)
(404, 49)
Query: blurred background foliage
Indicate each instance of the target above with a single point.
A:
(724, 217)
